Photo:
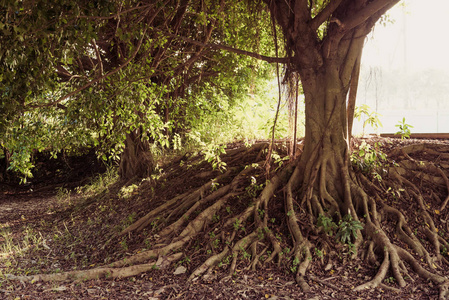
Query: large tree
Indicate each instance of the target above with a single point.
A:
(107, 74)
(323, 42)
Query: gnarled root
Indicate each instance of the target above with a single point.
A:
(321, 187)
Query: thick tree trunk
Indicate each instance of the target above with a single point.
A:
(323, 171)
(4, 164)
(136, 160)
(322, 164)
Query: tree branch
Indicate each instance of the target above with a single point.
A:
(365, 13)
(324, 14)
(97, 52)
(118, 14)
(94, 80)
(269, 59)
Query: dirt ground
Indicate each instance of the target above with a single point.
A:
(52, 226)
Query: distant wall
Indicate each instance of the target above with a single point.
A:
(423, 121)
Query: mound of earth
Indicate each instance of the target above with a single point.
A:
(82, 222)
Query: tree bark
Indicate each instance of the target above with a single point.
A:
(136, 160)
(325, 143)
(4, 164)
(353, 95)
(327, 65)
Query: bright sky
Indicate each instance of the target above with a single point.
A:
(418, 36)
(416, 41)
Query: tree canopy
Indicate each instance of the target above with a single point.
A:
(78, 74)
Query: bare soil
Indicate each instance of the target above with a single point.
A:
(49, 227)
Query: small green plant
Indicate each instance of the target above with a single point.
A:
(128, 220)
(279, 160)
(128, 191)
(390, 279)
(372, 118)
(212, 155)
(186, 261)
(225, 261)
(370, 159)
(215, 218)
(63, 194)
(215, 243)
(253, 188)
(154, 224)
(404, 129)
(131, 217)
(214, 185)
(396, 194)
(279, 237)
(286, 250)
(319, 253)
(347, 228)
(124, 245)
(246, 255)
(236, 224)
(327, 223)
(294, 266)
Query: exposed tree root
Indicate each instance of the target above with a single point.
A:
(386, 240)
(101, 272)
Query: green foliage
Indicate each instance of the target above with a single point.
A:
(327, 223)
(369, 159)
(63, 194)
(371, 117)
(21, 162)
(212, 155)
(278, 160)
(347, 228)
(247, 113)
(294, 266)
(69, 82)
(100, 183)
(237, 225)
(128, 191)
(404, 129)
(185, 261)
(319, 253)
(390, 279)
(253, 189)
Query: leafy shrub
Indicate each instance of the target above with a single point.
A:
(347, 228)
(369, 159)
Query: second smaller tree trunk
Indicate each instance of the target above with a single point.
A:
(136, 160)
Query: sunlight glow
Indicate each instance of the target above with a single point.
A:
(405, 66)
